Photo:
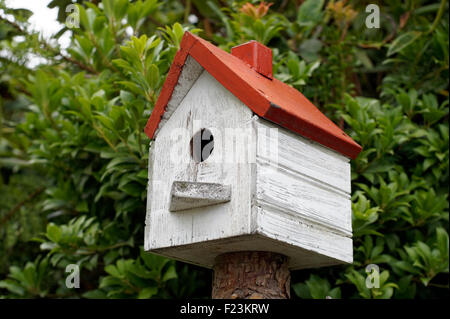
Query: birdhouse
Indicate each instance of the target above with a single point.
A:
(240, 161)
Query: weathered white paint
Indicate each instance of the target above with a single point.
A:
(296, 203)
(303, 199)
(190, 73)
(305, 157)
(206, 104)
(188, 195)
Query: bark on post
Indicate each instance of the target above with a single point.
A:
(251, 275)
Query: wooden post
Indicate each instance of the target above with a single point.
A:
(251, 275)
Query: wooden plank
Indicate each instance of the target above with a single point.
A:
(304, 199)
(302, 156)
(305, 234)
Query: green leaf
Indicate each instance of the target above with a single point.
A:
(108, 7)
(402, 41)
(54, 232)
(82, 207)
(113, 271)
(309, 49)
(301, 290)
(178, 31)
(94, 294)
(147, 293)
(153, 76)
(442, 241)
(109, 282)
(170, 273)
(12, 286)
(126, 97)
(310, 12)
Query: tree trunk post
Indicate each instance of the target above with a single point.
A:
(251, 275)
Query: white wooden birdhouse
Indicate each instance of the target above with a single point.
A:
(243, 162)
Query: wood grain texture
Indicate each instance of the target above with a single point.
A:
(303, 156)
(251, 275)
(188, 75)
(209, 105)
(188, 195)
(303, 195)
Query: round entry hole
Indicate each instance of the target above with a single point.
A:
(202, 145)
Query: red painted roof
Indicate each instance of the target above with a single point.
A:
(257, 55)
(272, 100)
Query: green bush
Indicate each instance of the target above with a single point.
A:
(73, 154)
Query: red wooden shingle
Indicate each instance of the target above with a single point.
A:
(270, 99)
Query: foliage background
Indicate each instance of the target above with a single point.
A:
(73, 153)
